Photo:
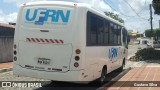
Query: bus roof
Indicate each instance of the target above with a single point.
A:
(72, 4)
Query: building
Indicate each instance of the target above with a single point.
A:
(6, 42)
(135, 37)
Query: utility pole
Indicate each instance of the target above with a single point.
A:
(159, 23)
(151, 18)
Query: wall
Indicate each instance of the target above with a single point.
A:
(6, 49)
(6, 44)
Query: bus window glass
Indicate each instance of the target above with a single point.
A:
(119, 35)
(93, 29)
(106, 33)
(100, 30)
(111, 34)
(115, 35)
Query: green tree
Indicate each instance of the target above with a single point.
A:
(114, 16)
(157, 32)
(148, 33)
(156, 6)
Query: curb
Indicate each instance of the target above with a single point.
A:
(114, 79)
(5, 70)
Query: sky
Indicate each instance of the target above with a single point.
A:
(135, 13)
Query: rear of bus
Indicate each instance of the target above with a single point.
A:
(46, 43)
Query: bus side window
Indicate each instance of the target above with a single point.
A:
(119, 35)
(111, 34)
(106, 33)
(115, 30)
(100, 30)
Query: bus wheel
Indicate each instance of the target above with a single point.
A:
(103, 76)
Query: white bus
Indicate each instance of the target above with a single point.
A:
(67, 41)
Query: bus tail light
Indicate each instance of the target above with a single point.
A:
(77, 58)
(78, 51)
(14, 46)
(76, 64)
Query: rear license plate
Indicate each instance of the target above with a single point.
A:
(44, 61)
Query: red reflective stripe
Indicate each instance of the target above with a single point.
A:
(56, 41)
(28, 39)
(51, 40)
(42, 40)
(33, 40)
(61, 41)
(37, 40)
(47, 40)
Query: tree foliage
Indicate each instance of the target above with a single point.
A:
(155, 33)
(148, 33)
(114, 16)
(147, 54)
(156, 6)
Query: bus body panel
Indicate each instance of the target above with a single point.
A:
(45, 52)
(45, 37)
(70, 76)
(65, 25)
(97, 57)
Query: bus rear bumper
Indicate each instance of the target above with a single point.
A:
(70, 76)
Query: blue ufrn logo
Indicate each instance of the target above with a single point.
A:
(44, 14)
(112, 53)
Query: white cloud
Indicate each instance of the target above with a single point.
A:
(8, 18)
(141, 21)
(19, 2)
(141, 7)
(98, 4)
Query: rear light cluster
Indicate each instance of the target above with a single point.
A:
(77, 58)
(14, 52)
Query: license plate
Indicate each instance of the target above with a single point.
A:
(44, 61)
